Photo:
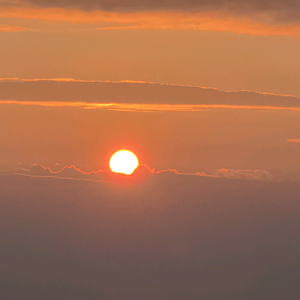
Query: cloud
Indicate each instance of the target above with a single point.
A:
(244, 174)
(293, 140)
(262, 23)
(288, 7)
(10, 28)
(142, 173)
(136, 96)
(146, 107)
(71, 172)
(225, 173)
(9, 79)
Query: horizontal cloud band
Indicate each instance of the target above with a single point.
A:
(187, 5)
(142, 171)
(275, 22)
(136, 96)
(146, 107)
(8, 28)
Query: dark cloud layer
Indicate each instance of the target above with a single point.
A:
(172, 237)
(235, 5)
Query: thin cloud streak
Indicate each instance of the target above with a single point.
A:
(9, 28)
(145, 107)
(293, 140)
(72, 80)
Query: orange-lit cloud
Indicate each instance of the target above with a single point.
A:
(9, 28)
(294, 140)
(145, 107)
(284, 9)
(158, 20)
(9, 79)
(72, 80)
(135, 96)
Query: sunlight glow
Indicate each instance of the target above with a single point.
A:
(123, 161)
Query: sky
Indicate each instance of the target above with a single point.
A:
(236, 45)
(205, 93)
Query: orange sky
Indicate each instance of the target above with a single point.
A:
(229, 50)
(205, 93)
(250, 46)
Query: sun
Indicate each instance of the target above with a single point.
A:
(123, 161)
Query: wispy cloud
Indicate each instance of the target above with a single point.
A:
(72, 172)
(9, 79)
(73, 80)
(10, 28)
(244, 174)
(294, 140)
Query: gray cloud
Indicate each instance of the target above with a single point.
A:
(64, 90)
(283, 10)
(141, 172)
(172, 5)
(71, 172)
(244, 174)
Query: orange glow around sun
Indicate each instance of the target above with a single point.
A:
(124, 162)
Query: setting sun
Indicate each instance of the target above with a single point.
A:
(123, 161)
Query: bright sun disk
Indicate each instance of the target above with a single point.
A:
(123, 161)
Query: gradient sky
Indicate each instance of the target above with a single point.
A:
(239, 45)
